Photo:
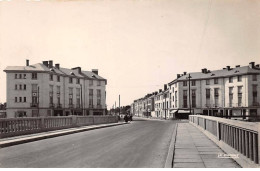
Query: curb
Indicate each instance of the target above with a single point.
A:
(8, 143)
(171, 151)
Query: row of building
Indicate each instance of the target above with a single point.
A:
(44, 89)
(228, 92)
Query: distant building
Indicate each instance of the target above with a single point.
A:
(226, 93)
(43, 89)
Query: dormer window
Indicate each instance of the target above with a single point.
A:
(71, 73)
(78, 80)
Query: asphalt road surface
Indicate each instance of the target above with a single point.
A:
(141, 143)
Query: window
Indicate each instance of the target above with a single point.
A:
(254, 77)
(239, 95)
(24, 86)
(78, 80)
(15, 86)
(216, 97)
(51, 77)
(193, 83)
(91, 92)
(193, 98)
(34, 88)
(98, 93)
(58, 78)
(184, 83)
(215, 80)
(20, 76)
(207, 93)
(176, 99)
(172, 89)
(20, 99)
(70, 80)
(230, 79)
(207, 82)
(70, 91)
(15, 76)
(24, 76)
(230, 96)
(90, 82)
(254, 94)
(185, 104)
(20, 87)
(34, 76)
(58, 89)
(15, 99)
(24, 99)
(239, 78)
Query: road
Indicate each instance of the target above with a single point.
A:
(142, 143)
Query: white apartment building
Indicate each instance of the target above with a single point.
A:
(227, 92)
(43, 89)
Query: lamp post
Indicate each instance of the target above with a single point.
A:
(189, 77)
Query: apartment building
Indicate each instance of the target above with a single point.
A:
(226, 92)
(44, 89)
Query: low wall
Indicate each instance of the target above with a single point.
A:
(21, 126)
(234, 137)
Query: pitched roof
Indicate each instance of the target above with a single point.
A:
(219, 73)
(64, 71)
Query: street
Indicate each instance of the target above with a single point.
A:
(142, 143)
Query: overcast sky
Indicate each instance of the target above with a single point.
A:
(137, 45)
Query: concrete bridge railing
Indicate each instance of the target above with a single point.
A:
(234, 137)
(21, 126)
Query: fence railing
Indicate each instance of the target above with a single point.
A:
(232, 135)
(21, 126)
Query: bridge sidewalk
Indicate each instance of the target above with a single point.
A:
(194, 150)
(5, 142)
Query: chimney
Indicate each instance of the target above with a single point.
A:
(204, 70)
(50, 63)
(252, 64)
(57, 66)
(228, 68)
(27, 62)
(165, 87)
(46, 63)
(160, 90)
(95, 71)
(257, 65)
(224, 68)
(78, 69)
(184, 73)
(178, 75)
(237, 66)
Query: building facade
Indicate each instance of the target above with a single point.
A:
(43, 89)
(230, 92)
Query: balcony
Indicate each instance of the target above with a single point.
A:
(59, 106)
(34, 104)
(71, 105)
(78, 106)
(51, 105)
(207, 105)
(255, 104)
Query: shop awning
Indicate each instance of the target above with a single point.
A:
(173, 111)
(183, 111)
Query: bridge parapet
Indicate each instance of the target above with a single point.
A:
(234, 137)
(20, 126)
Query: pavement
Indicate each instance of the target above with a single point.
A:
(139, 144)
(193, 149)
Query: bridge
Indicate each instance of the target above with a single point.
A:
(103, 141)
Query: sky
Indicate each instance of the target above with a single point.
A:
(137, 45)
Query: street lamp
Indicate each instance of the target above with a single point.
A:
(189, 77)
